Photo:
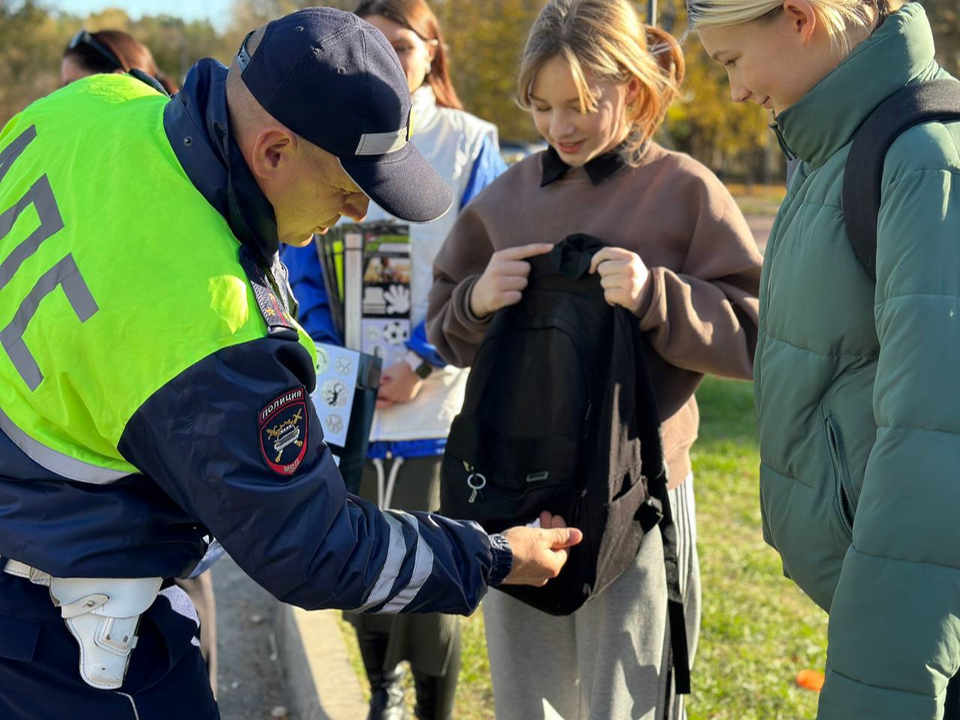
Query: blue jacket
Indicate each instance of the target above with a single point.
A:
(302, 537)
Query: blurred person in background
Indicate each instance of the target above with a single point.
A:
(419, 397)
(109, 51)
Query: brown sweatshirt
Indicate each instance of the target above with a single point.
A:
(699, 307)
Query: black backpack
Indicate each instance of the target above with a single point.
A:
(938, 100)
(560, 415)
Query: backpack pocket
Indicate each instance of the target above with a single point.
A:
(622, 534)
(501, 481)
(528, 379)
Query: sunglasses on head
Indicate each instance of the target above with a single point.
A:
(85, 38)
(243, 55)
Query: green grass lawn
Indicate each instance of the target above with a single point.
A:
(758, 630)
(758, 199)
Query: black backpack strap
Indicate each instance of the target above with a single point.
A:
(937, 100)
(679, 652)
(658, 511)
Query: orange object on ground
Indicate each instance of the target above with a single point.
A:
(810, 679)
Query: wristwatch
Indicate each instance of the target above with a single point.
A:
(502, 559)
(420, 367)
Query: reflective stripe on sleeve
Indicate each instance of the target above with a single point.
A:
(422, 569)
(391, 566)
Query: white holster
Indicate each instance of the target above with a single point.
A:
(102, 614)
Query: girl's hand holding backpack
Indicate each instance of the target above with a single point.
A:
(623, 276)
(505, 278)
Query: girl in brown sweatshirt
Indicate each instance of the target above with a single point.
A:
(597, 83)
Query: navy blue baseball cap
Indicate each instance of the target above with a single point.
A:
(335, 81)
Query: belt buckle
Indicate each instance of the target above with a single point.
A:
(38, 577)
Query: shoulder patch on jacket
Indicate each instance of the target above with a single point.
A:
(273, 312)
(283, 425)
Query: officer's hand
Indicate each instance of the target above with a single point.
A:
(539, 554)
(504, 280)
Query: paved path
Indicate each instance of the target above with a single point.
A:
(760, 224)
(251, 684)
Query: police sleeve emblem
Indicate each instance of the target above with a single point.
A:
(283, 425)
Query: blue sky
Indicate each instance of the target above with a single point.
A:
(214, 10)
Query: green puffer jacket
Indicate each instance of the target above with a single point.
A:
(857, 391)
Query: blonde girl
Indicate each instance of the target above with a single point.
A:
(855, 379)
(679, 256)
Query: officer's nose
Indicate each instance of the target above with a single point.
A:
(356, 206)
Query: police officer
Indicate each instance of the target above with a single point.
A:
(108, 51)
(154, 386)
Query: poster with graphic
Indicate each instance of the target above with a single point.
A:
(367, 271)
(337, 370)
(379, 270)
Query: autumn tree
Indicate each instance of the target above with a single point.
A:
(175, 44)
(486, 42)
(485, 39)
(245, 15)
(706, 123)
(945, 20)
(30, 48)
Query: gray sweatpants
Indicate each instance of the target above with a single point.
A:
(603, 662)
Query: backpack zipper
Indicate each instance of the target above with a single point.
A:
(475, 481)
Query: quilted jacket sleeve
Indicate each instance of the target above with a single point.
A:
(895, 620)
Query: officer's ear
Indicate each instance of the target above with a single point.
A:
(274, 151)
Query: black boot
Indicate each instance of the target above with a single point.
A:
(435, 695)
(386, 692)
(386, 699)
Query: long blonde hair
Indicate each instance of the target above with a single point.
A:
(839, 17)
(607, 39)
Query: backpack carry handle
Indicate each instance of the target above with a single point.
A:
(937, 100)
(572, 256)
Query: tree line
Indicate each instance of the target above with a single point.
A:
(485, 40)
